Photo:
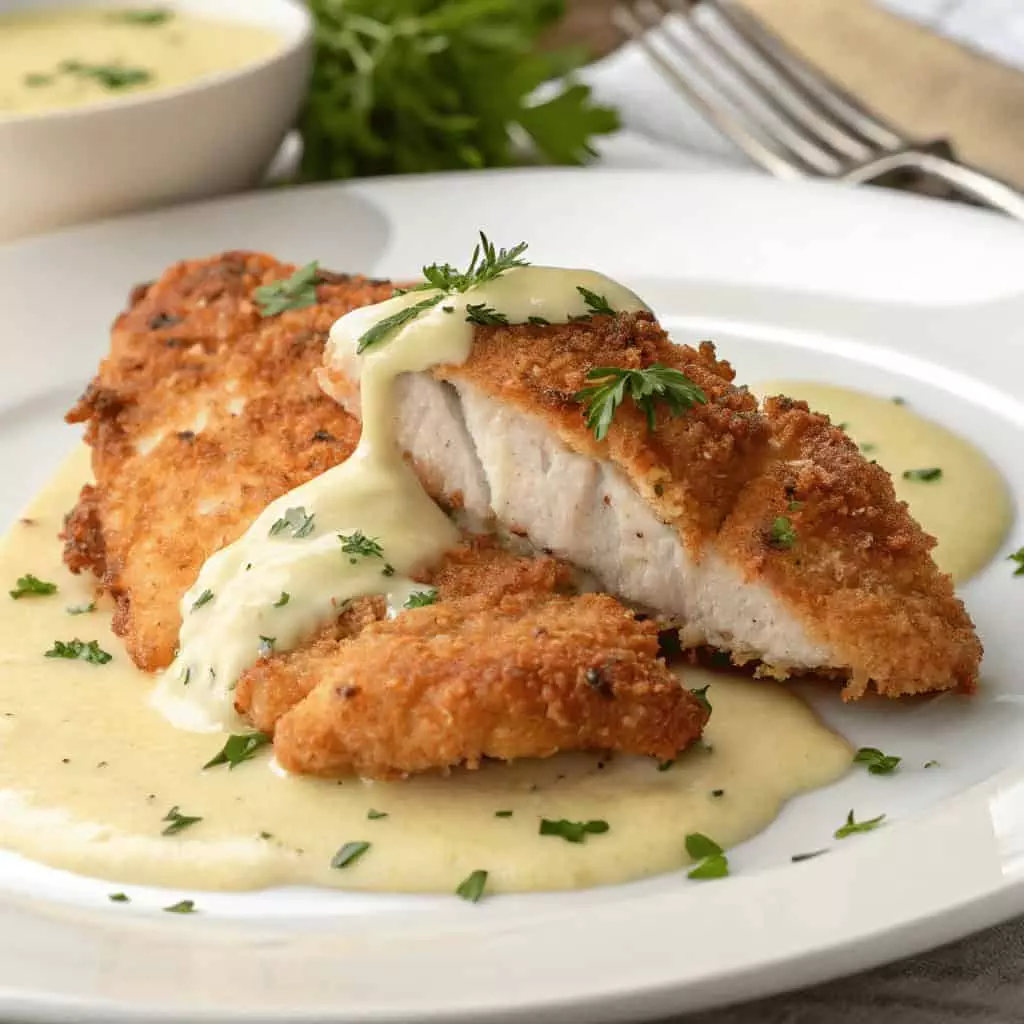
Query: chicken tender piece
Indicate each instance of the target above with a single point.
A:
(203, 412)
(488, 677)
(761, 532)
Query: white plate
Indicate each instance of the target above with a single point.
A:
(885, 292)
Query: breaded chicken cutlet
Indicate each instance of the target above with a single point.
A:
(507, 664)
(202, 414)
(762, 532)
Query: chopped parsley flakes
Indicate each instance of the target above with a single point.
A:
(182, 907)
(349, 854)
(295, 521)
(1018, 557)
(295, 292)
(31, 586)
(204, 598)
(376, 815)
(782, 534)
(926, 475)
(877, 762)
(572, 831)
(711, 858)
(853, 827)
(237, 749)
(177, 821)
(78, 650)
(118, 897)
(420, 599)
(357, 545)
(472, 887)
(283, 599)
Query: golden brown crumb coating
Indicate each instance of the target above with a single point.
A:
(202, 413)
(496, 677)
(856, 568)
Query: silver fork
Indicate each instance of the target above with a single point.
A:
(780, 111)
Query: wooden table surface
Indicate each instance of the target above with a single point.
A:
(927, 85)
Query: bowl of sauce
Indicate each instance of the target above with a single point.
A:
(117, 106)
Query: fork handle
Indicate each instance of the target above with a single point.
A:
(981, 187)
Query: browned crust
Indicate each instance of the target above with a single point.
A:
(195, 340)
(690, 468)
(860, 573)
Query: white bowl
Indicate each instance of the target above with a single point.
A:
(215, 135)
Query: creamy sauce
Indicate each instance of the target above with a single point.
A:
(113, 56)
(967, 508)
(235, 608)
(89, 770)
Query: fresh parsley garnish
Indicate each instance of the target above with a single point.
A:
(283, 599)
(78, 650)
(149, 16)
(782, 534)
(109, 76)
(420, 599)
(182, 907)
(81, 609)
(1018, 557)
(479, 313)
(927, 475)
(853, 827)
(295, 292)
(712, 861)
(204, 598)
(31, 586)
(471, 888)
(572, 831)
(503, 814)
(877, 762)
(118, 897)
(348, 854)
(597, 304)
(538, 321)
(701, 696)
(296, 521)
(645, 387)
(237, 749)
(357, 545)
(178, 821)
(376, 815)
(486, 264)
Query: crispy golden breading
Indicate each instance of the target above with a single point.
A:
(202, 414)
(860, 567)
(485, 676)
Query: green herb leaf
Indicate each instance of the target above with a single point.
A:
(177, 821)
(358, 545)
(295, 521)
(503, 814)
(78, 650)
(572, 831)
(877, 762)
(472, 887)
(383, 328)
(295, 292)
(182, 907)
(597, 304)
(1018, 557)
(118, 897)
(149, 16)
(349, 854)
(702, 698)
(237, 749)
(81, 609)
(699, 846)
(376, 815)
(931, 473)
(420, 599)
(204, 598)
(645, 387)
(109, 76)
(798, 857)
(283, 599)
(663, 766)
(31, 586)
(538, 321)
(852, 827)
(782, 534)
(715, 866)
(479, 313)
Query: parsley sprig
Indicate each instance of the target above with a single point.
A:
(237, 749)
(295, 292)
(31, 586)
(852, 827)
(357, 545)
(646, 388)
(597, 304)
(877, 762)
(78, 650)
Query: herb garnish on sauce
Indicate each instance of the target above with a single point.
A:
(31, 586)
(472, 887)
(295, 292)
(142, 16)
(182, 907)
(877, 762)
(853, 827)
(646, 387)
(358, 545)
(713, 862)
(296, 521)
(204, 598)
(926, 475)
(78, 650)
(597, 304)
(349, 854)
(1018, 557)
(178, 821)
(572, 831)
(420, 599)
(237, 749)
